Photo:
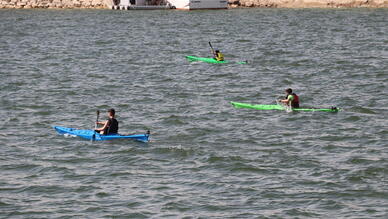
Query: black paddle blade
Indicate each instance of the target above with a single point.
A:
(210, 45)
(98, 112)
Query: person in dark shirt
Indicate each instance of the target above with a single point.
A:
(110, 126)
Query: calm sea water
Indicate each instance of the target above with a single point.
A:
(206, 159)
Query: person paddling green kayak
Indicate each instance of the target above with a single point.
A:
(291, 99)
(217, 55)
(110, 126)
(289, 103)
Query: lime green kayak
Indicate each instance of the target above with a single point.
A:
(209, 60)
(279, 107)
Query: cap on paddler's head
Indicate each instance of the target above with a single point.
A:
(112, 111)
(217, 51)
(289, 90)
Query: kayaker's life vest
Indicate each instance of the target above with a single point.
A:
(113, 127)
(219, 56)
(295, 102)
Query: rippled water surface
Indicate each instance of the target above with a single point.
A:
(206, 158)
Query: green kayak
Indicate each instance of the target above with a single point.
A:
(279, 107)
(210, 60)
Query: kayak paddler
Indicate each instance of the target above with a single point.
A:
(110, 126)
(218, 55)
(291, 99)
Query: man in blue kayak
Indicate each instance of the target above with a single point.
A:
(291, 99)
(110, 126)
(218, 55)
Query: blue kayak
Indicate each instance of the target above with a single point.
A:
(92, 135)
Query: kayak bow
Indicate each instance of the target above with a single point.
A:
(279, 107)
(209, 60)
(92, 135)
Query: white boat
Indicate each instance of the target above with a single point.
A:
(140, 4)
(199, 4)
(167, 4)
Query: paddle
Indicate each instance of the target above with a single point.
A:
(98, 115)
(95, 126)
(211, 48)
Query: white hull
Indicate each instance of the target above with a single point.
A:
(140, 5)
(199, 4)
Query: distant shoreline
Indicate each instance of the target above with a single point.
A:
(240, 4)
(308, 3)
